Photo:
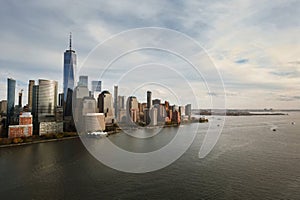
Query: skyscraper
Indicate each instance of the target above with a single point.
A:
(116, 100)
(69, 69)
(11, 89)
(147, 118)
(96, 86)
(133, 108)
(20, 98)
(149, 100)
(30, 88)
(34, 108)
(188, 110)
(105, 105)
(47, 98)
(83, 81)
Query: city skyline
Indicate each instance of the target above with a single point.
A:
(259, 60)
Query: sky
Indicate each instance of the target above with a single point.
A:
(253, 45)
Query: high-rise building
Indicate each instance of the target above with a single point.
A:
(61, 99)
(30, 88)
(133, 108)
(83, 81)
(182, 110)
(11, 89)
(121, 102)
(105, 105)
(121, 111)
(69, 69)
(116, 100)
(149, 100)
(35, 97)
(80, 92)
(20, 98)
(153, 116)
(96, 88)
(156, 101)
(34, 109)
(47, 99)
(188, 110)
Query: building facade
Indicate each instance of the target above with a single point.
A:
(83, 81)
(47, 99)
(11, 90)
(30, 88)
(105, 106)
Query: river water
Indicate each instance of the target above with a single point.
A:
(249, 161)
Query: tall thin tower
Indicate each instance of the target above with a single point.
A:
(11, 90)
(69, 69)
(30, 88)
(116, 100)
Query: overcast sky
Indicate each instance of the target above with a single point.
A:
(255, 45)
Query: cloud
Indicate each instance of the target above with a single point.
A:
(34, 36)
(242, 61)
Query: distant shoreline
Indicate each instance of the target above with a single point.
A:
(238, 113)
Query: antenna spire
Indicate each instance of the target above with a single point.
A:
(70, 45)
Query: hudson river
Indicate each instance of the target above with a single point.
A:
(249, 161)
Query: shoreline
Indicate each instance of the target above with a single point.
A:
(110, 132)
(39, 141)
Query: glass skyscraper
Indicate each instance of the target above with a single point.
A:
(83, 81)
(11, 88)
(69, 69)
(47, 98)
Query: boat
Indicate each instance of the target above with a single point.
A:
(97, 134)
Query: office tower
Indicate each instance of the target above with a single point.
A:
(86, 106)
(188, 110)
(161, 112)
(35, 96)
(116, 100)
(30, 88)
(155, 101)
(121, 102)
(133, 108)
(89, 105)
(83, 81)
(34, 109)
(182, 110)
(47, 99)
(96, 88)
(105, 105)
(11, 87)
(20, 98)
(153, 116)
(69, 105)
(69, 69)
(121, 112)
(149, 100)
(61, 99)
(80, 92)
